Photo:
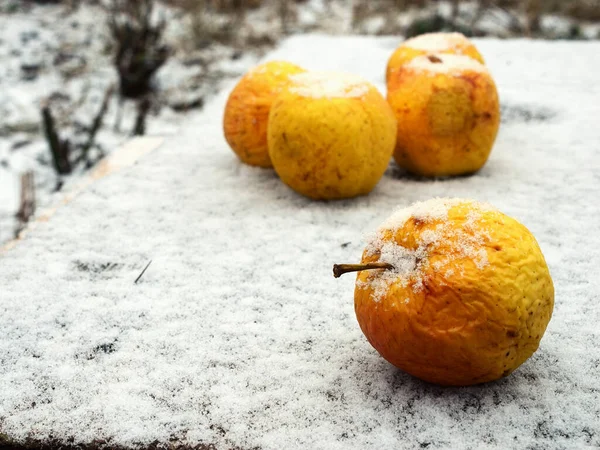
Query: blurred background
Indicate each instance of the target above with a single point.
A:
(80, 77)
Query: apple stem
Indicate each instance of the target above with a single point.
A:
(341, 269)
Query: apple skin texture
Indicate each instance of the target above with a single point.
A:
(329, 147)
(247, 110)
(454, 320)
(450, 43)
(447, 121)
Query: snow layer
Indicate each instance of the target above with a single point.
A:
(316, 84)
(409, 265)
(446, 64)
(436, 42)
(238, 334)
(53, 52)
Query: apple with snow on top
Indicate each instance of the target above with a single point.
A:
(331, 135)
(448, 114)
(430, 43)
(453, 292)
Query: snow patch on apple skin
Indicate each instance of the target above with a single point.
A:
(410, 265)
(437, 42)
(444, 63)
(328, 85)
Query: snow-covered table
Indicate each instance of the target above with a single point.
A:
(237, 335)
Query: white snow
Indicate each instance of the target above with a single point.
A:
(426, 211)
(437, 42)
(69, 49)
(446, 64)
(8, 198)
(238, 335)
(317, 84)
(409, 265)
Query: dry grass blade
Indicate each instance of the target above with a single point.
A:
(97, 122)
(143, 272)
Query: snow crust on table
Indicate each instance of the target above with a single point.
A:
(238, 334)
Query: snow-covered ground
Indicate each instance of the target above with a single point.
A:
(238, 335)
(64, 54)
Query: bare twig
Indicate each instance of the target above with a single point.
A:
(97, 123)
(60, 149)
(139, 50)
(341, 269)
(27, 201)
(143, 272)
(144, 105)
(119, 115)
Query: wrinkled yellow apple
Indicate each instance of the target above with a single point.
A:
(465, 297)
(430, 43)
(448, 115)
(330, 135)
(247, 110)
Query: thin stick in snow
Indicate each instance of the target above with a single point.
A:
(60, 149)
(97, 123)
(143, 272)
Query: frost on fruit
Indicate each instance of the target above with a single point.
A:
(328, 85)
(448, 114)
(479, 292)
(330, 135)
(427, 211)
(411, 263)
(429, 45)
(437, 42)
(446, 63)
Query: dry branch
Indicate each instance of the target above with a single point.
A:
(60, 149)
(26, 202)
(97, 122)
(140, 52)
(144, 105)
